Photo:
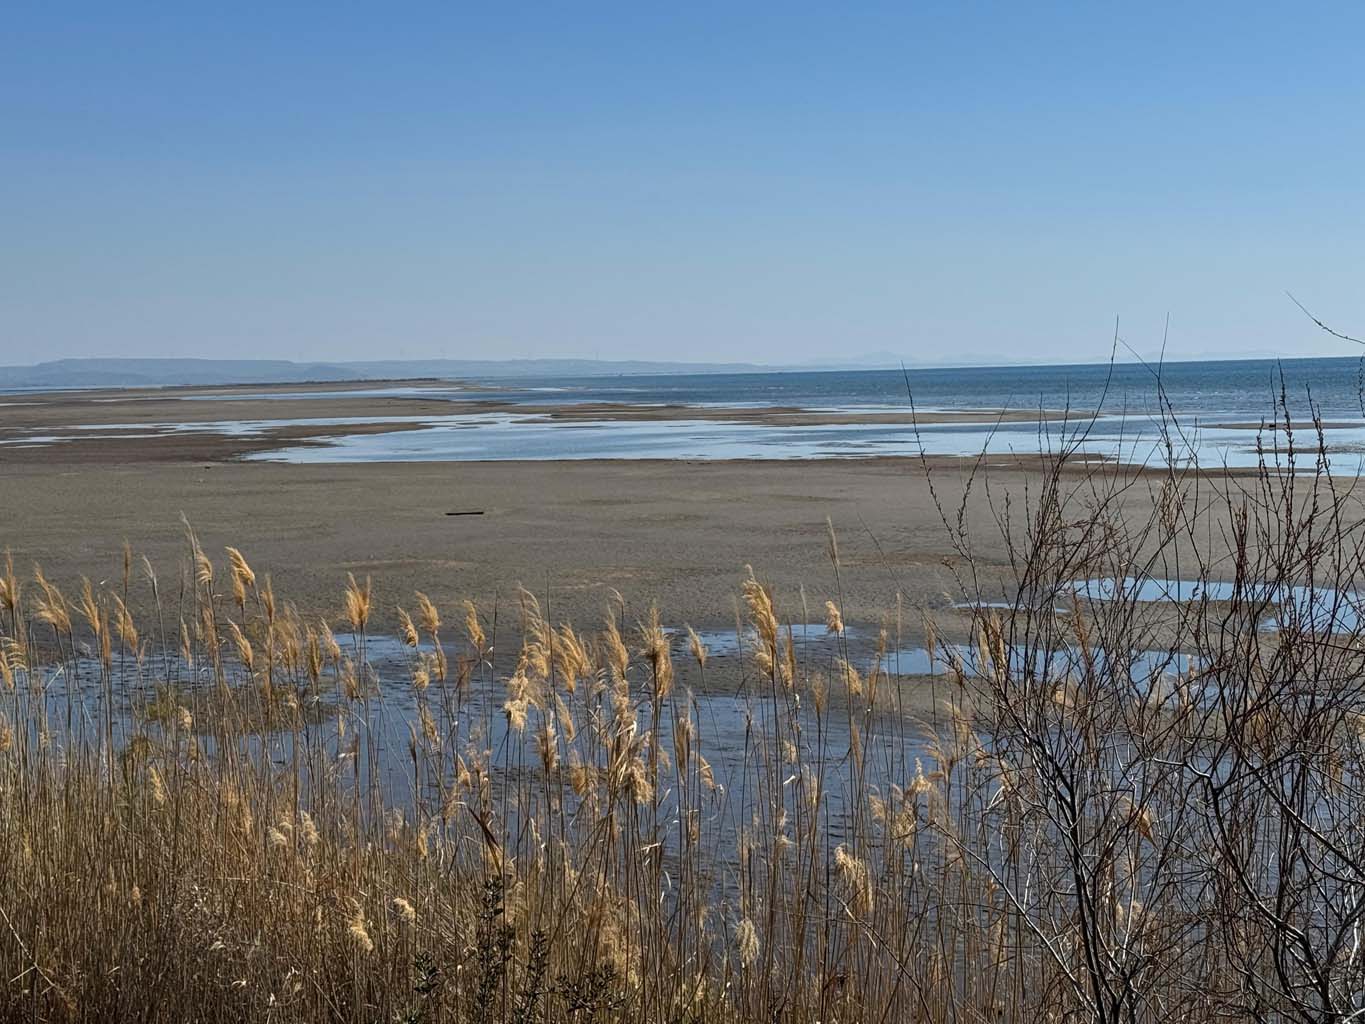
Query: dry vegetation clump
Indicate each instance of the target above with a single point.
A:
(1125, 811)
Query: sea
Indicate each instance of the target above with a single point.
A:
(1234, 389)
(1210, 413)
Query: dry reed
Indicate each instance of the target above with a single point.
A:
(1125, 811)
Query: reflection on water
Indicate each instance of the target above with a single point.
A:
(1312, 609)
(504, 436)
(369, 735)
(512, 436)
(1139, 667)
(1217, 404)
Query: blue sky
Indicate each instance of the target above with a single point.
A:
(773, 183)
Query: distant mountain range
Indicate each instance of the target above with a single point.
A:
(87, 373)
(84, 373)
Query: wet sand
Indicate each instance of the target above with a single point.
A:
(129, 425)
(676, 532)
(575, 534)
(680, 533)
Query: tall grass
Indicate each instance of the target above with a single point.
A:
(213, 809)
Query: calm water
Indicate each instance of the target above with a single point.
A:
(1213, 401)
(1237, 388)
(1208, 398)
(74, 692)
(1205, 389)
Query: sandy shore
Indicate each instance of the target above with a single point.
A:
(679, 533)
(185, 424)
(576, 533)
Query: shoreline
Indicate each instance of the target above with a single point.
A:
(679, 534)
(137, 425)
(575, 531)
(250, 422)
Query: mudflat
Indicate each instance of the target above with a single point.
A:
(576, 533)
(572, 532)
(189, 423)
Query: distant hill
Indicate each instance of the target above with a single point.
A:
(84, 373)
(89, 373)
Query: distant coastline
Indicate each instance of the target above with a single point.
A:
(173, 372)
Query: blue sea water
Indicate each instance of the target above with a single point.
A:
(1211, 389)
(1239, 388)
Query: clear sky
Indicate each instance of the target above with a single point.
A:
(772, 183)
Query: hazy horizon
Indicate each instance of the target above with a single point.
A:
(777, 186)
(870, 362)
(570, 367)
